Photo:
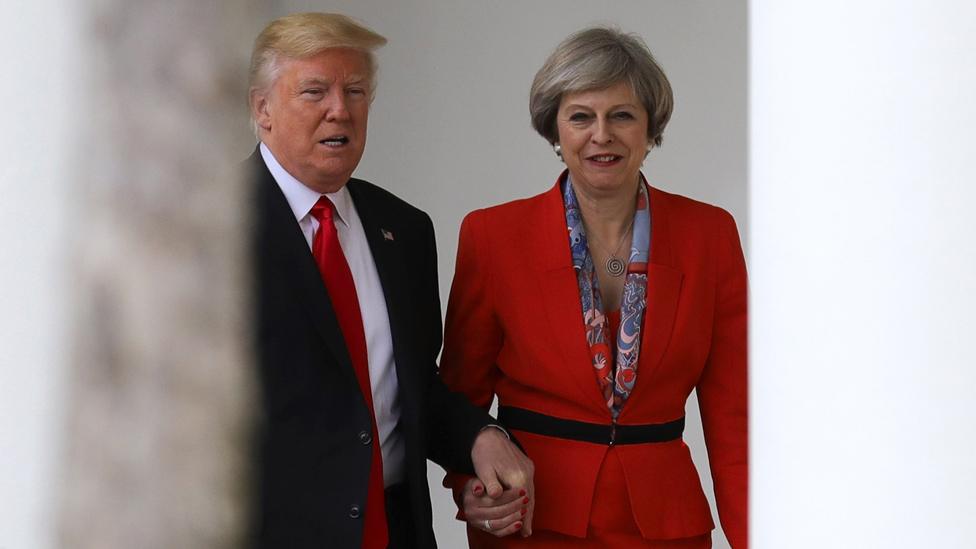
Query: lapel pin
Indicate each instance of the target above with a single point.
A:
(387, 235)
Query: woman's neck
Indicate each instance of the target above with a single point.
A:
(608, 215)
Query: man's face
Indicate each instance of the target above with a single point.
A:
(313, 119)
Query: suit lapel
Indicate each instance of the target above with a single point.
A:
(663, 291)
(283, 247)
(560, 294)
(388, 256)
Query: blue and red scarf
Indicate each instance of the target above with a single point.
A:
(616, 375)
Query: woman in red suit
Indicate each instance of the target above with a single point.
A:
(591, 345)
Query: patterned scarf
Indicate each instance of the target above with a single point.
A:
(616, 378)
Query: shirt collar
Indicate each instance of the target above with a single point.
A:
(300, 197)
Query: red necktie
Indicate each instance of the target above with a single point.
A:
(342, 292)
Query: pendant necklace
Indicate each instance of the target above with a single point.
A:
(614, 265)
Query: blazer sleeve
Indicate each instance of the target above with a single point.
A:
(473, 336)
(453, 422)
(722, 389)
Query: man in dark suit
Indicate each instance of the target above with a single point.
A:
(348, 316)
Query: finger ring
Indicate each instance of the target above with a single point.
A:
(487, 525)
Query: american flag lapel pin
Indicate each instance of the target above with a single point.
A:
(387, 235)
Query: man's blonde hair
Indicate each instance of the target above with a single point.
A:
(301, 35)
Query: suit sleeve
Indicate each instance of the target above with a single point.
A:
(722, 389)
(473, 336)
(453, 422)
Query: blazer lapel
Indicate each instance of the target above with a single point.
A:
(560, 295)
(663, 290)
(284, 249)
(388, 257)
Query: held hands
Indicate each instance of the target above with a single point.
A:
(501, 500)
(501, 516)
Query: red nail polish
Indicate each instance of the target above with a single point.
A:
(525, 501)
(522, 492)
(524, 510)
(518, 525)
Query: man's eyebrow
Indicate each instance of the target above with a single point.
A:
(314, 81)
(356, 79)
(318, 81)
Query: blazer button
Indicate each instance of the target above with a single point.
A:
(354, 511)
(365, 438)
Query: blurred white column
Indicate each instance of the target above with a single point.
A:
(863, 188)
(41, 100)
(124, 378)
(158, 411)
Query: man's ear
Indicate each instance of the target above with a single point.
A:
(260, 108)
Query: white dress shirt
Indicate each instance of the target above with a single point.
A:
(372, 305)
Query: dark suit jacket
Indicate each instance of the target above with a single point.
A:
(313, 464)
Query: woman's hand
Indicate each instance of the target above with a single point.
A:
(503, 468)
(500, 516)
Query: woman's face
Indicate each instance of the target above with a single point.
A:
(603, 135)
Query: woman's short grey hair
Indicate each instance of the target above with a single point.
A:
(302, 35)
(594, 59)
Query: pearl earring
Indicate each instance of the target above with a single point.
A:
(557, 148)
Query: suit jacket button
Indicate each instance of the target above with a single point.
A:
(354, 511)
(365, 438)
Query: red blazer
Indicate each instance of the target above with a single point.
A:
(515, 330)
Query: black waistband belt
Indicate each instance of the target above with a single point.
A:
(597, 433)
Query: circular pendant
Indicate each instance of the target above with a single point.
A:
(615, 266)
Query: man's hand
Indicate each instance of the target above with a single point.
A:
(502, 468)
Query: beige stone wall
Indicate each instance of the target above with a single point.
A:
(160, 385)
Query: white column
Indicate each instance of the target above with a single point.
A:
(863, 188)
(39, 90)
(158, 407)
